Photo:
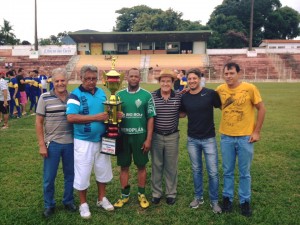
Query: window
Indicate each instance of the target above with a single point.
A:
(159, 45)
(134, 46)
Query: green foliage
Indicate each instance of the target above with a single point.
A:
(144, 18)
(275, 175)
(230, 23)
(283, 23)
(7, 37)
(53, 40)
(228, 32)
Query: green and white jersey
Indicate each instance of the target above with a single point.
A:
(137, 107)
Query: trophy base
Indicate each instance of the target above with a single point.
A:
(111, 145)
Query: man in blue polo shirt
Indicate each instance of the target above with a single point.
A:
(86, 111)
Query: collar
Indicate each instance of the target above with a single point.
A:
(81, 88)
(131, 92)
(158, 93)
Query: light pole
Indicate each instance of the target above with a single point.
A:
(251, 26)
(35, 28)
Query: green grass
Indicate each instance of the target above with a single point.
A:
(275, 175)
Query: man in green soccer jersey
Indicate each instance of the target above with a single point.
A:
(137, 128)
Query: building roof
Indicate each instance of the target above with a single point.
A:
(265, 42)
(119, 37)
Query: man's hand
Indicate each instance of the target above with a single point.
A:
(255, 136)
(120, 115)
(44, 151)
(146, 146)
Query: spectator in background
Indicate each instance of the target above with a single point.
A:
(202, 80)
(21, 85)
(35, 90)
(43, 79)
(55, 139)
(4, 101)
(177, 81)
(49, 81)
(183, 80)
(14, 94)
(239, 131)
(86, 111)
(28, 80)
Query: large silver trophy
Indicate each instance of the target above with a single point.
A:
(111, 141)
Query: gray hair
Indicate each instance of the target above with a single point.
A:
(60, 71)
(87, 68)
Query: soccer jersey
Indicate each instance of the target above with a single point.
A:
(137, 107)
(13, 83)
(43, 80)
(27, 86)
(83, 102)
(238, 111)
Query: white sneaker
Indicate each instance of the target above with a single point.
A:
(105, 204)
(85, 211)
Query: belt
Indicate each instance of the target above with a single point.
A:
(165, 133)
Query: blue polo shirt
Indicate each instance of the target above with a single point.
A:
(84, 102)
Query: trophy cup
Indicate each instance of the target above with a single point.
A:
(111, 141)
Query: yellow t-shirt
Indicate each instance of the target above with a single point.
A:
(238, 111)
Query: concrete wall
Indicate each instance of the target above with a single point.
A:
(242, 51)
(199, 47)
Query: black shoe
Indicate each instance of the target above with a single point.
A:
(245, 209)
(170, 201)
(227, 205)
(155, 200)
(48, 212)
(71, 207)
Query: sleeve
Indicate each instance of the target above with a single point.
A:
(3, 86)
(182, 108)
(41, 107)
(151, 112)
(73, 105)
(256, 98)
(216, 100)
(15, 83)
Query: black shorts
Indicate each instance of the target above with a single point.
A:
(3, 109)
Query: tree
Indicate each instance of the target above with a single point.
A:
(228, 32)
(128, 16)
(144, 18)
(263, 12)
(283, 23)
(25, 42)
(53, 39)
(7, 37)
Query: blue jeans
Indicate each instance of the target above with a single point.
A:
(55, 151)
(209, 148)
(232, 147)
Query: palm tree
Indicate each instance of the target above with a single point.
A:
(6, 32)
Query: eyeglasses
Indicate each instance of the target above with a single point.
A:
(90, 79)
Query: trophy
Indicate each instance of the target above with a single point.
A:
(111, 141)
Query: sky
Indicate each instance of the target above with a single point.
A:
(56, 16)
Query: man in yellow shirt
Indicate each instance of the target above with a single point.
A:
(239, 130)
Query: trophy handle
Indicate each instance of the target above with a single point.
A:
(104, 78)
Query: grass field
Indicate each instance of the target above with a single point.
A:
(275, 175)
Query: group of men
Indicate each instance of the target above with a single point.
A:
(22, 87)
(149, 123)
